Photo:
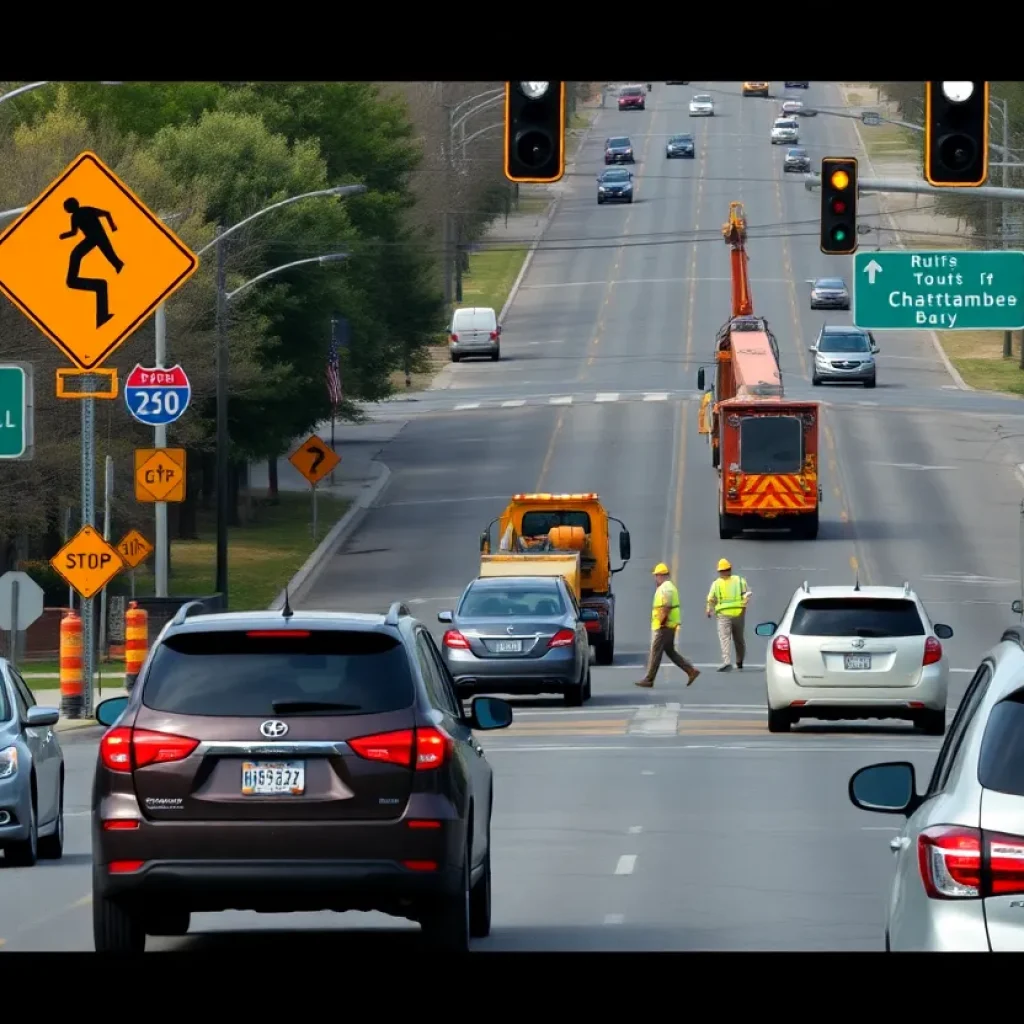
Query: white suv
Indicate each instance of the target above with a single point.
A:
(785, 130)
(856, 652)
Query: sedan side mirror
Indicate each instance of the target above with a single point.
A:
(489, 713)
(1017, 607)
(766, 628)
(39, 717)
(889, 788)
(943, 632)
(875, 350)
(109, 711)
(445, 616)
(812, 348)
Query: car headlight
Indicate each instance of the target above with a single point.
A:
(8, 762)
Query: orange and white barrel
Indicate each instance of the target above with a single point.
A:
(72, 681)
(136, 642)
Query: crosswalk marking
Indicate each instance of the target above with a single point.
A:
(607, 396)
(467, 405)
(514, 404)
(561, 400)
(662, 397)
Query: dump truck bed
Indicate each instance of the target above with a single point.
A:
(534, 565)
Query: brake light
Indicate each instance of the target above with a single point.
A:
(454, 639)
(123, 749)
(420, 865)
(494, 335)
(454, 337)
(423, 823)
(932, 651)
(120, 825)
(593, 627)
(272, 633)
(430, 746)
(563, 638)
(781, 651)
(124, 867)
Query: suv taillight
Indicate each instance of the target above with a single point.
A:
(494, 335)
(123, 749)
(454, 639)
(932, 651)
(454, 337)
(950, 857)
(781, 650)
(431, 748)
(563, 638)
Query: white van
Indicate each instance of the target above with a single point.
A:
(474, 332)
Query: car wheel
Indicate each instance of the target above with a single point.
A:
(726, 529)
(779, 720)
(586, 686)
(114, 928)
(455, 358)
(888, 947)
(495, 355)
(807, 527)
(932, 722)
(629, 200)
(600, 201)
(480, 902)
(816, 380)
(25, 852)
(870, 382)
(574, 696)
(604, 650)
(168, 922)
(51, 847)
(446, 925)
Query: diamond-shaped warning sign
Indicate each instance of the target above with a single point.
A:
(160, 474)
(87, 562)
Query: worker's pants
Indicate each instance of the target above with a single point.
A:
(730, 628)
(663, 642)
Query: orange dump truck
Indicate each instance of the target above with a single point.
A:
(550, 526)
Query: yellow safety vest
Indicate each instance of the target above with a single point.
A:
(728, 595)
(666, 594)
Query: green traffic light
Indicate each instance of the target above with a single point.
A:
(839, 234)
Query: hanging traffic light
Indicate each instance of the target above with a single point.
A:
(838, 205)
(956, 134)
(534, 131)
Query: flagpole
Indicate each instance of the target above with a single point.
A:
(334, 410)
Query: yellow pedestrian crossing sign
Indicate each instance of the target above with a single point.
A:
(134, 548)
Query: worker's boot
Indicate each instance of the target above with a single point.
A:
(691, 676)
(727, 667)
(646, 683)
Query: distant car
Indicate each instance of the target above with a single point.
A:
(680, 146)
(292, 761)
(519, 635)
(797, 85)
(615, 185)
(796, 159)
(791, 108)
(618, 150)
(844, 354)
(31, 775)
(785, 130)
(632, 97)
(474, 331)
(702, 105)
(829, 292)
(957, 884)
(756, 89)
(856, 652)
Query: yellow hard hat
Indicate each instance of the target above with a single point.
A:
(661, 569)
(724, 564)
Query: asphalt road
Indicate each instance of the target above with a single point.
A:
(663, 819)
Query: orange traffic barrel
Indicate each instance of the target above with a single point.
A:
(72, 683)
(136, 641)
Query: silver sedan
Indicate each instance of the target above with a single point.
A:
(31, 775)
(519, 635)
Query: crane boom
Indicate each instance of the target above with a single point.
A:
(735, 234)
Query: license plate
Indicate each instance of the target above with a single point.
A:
(508, 647)
(273, 778)
(857, 661)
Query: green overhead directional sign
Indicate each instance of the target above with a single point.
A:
(16, 411)
(960, 290)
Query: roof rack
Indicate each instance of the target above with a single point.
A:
(397, 611)
(906, 588)
(807, 589)
(187, 609)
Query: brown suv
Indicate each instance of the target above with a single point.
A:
(280, 761)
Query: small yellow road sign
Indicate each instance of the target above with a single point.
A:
(314, 459)
(160, 474)
(87, 562)
(87, 262)
(134, 548)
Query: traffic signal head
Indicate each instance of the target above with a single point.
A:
(838, 205)
(956, 134)
(534, 131)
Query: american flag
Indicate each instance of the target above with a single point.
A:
(334, 375)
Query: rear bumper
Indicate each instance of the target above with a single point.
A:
(473, 348)
(556, 672)
(845, 702)
(830, 303)
(851, 376)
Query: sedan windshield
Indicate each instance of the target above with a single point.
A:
(512, 602)
(701, 99)
(618, 143)
(830, 282)
(678, 140)
(616, 175)
(844, 343)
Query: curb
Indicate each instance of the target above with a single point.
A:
(311, 569)
(74, 724)
(953, 372)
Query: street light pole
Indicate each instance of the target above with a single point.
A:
(223, 437)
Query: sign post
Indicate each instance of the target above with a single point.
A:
(314, 460)
(21, 603)
(17, 411)
(135, 263)
(959, 290)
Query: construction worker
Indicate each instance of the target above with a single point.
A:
(665, 619)
(727, 601)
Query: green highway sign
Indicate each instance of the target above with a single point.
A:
(960, 290)
(16, 411)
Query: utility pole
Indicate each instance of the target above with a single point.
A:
(162, 545)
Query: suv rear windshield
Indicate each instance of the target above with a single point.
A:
(235, 674)
(1001, 765)
(771, 444)
(854, 616)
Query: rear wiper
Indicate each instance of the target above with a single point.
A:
(284, 706)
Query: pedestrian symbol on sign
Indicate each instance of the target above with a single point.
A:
(88, 222)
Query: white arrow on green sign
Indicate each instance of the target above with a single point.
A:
(959, 290)
(16, 411)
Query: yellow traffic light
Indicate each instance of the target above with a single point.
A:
(840, 180)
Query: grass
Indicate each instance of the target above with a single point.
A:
(888, 141)
(978, 356)
(490, 276)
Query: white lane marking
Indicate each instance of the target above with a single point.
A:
(650, 280)
(674, 706)
(752, 748)
(427, 600)
(446, 501)
(614, 918)
(467, 405)
(909, 465)
(626, 864)
(561, 400)
(647, 773)
(514, 404)
(607, 396)
(634, 830)
(965, 577)
(660, 397)
(654, 721)
(559, 341)
(879, 828)
(867, 403)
